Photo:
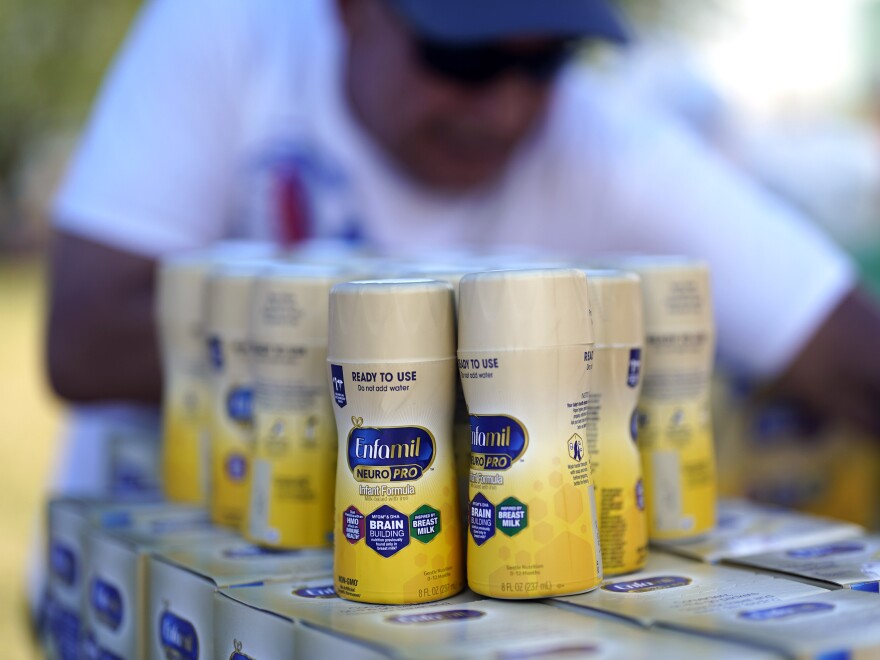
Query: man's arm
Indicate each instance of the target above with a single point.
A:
(102, 337)
(837, 374)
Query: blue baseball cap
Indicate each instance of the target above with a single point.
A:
(490, 20)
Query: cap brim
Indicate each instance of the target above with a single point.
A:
(488, 20)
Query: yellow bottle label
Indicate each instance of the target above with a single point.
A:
(231, 432)
(292, 491)
(185, 438)
(532, 519)
(397, 535)
(675, 435)
(617, 468)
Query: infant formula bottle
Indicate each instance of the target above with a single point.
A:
(186, 395)
(619, 331)
(294, 461)
(675, 428)
(231, 413)
(525, 355)
(391, 356)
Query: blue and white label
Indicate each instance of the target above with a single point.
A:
(785, 611)
(497, 441)
(481, 519)
(435, 617)
(240, 405)
(337, 382)
(387, 454)
(821, 551)
(387, 531)
(236, 467)
(106, 602)
(635, 367)
(178, 637)
(647, 584)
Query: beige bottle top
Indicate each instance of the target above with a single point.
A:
(290, 303)
(616, 308)
(229, 296)
(182, 279)
(404, 320)
(676, 290)
(523, 309)
(181, 284)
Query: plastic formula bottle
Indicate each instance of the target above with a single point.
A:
(675, 426)
(228, 317)
(619, 329)
(294, 459)
(180, 302)
(391, 356)
(525, 355)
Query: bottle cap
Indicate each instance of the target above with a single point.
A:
(404, 320)
(229, 297)
(616, 308)
(676, 291)
(290, 303)
(523, 309)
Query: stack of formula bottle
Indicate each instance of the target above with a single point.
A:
(462, 455)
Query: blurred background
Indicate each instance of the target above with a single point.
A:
(788, 90)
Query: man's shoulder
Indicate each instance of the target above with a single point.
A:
(595, 117)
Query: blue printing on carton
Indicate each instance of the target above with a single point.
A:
(106, 601)
(64, 628)
(435, 617)
(820, 551)
(644, 585)
(323, 591)
(62, 563)
(178, 637)
(785, 611)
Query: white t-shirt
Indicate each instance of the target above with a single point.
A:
(223, 117)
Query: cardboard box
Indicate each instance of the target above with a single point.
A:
(851, 564)
(115, 619)
(500, 629)
(670, 588)
(270, 620)
(71, 520)
(180, 598)
(833, 625)
(746, 528)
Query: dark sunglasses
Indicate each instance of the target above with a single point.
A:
(483, 64)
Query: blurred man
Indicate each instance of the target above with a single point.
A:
(413, 125)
